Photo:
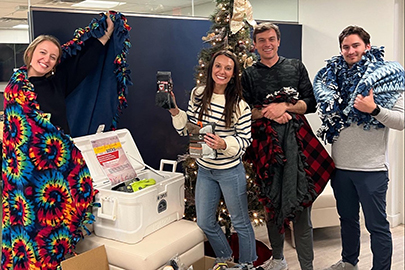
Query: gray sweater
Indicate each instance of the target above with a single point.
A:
(357, 149)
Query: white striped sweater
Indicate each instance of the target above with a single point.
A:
(237, 137)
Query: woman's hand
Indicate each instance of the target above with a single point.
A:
(175, 111)
(110, 29)
(214, 141)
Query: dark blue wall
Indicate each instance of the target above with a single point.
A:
(158, 43)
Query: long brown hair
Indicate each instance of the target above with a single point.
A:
(233, 90)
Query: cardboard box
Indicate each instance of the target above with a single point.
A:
(129, 217)
(207, 263)
(89, 260)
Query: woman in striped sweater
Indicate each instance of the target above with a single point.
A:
(220, 102)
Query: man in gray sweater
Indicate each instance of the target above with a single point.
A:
(360, 97)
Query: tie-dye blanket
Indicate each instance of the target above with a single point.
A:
(47, 187)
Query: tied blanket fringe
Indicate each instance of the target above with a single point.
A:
(101, 97)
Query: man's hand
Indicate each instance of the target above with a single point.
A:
(283, 119)
(365, 104)
(274, 110)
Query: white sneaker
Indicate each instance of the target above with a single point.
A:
(275, 264)
(341, 265)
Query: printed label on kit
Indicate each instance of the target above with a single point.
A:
(113, 160)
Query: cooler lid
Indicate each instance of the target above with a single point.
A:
(86, 146)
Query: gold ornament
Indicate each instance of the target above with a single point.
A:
(240, 9)
(215, 37)
(247, 61)
(209, 37)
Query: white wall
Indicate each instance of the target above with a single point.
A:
(275, 10)
(384, 20)
(14, 36)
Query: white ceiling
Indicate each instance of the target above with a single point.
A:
(14, 12)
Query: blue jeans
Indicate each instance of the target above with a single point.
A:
(232, 183)
(352, 188)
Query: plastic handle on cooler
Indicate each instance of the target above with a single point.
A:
(168, 162)
(111, 216)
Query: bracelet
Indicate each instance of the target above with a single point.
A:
(376, 111)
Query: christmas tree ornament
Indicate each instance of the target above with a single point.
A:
(241, 8)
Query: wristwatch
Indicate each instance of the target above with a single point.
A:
(375, 111)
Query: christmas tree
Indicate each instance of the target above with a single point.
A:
(231, 23)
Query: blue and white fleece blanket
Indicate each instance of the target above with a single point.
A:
(336, 87)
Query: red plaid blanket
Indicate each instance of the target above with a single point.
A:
(321, 165)
(278, 178)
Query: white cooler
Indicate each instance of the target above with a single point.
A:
(129, 217)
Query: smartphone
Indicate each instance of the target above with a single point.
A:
(164, 87)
